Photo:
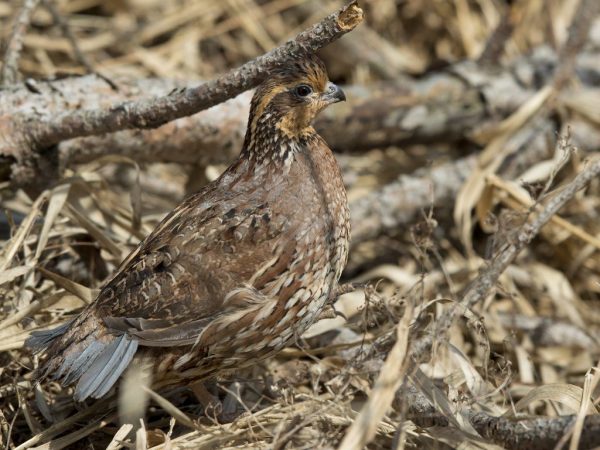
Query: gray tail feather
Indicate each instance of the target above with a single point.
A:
(97, 365)
(39, 340)
(108, 363)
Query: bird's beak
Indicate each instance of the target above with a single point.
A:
(334, 94)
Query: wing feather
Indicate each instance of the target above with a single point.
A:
(179, 279)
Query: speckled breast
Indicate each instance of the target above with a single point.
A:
(285, 296)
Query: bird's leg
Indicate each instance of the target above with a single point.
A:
(329, 311)
(211, 404)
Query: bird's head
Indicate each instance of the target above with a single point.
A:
(292, 97)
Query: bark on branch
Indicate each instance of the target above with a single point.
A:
(537, 433)
(401, 200)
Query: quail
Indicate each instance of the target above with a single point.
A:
(237, 271)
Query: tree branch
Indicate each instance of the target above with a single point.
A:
(534, 433)
(67, 32)
(401, 200)
(522, 433)
(151, 113)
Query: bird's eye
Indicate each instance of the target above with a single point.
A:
(303, 90)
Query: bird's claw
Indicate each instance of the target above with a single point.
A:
(329, 312)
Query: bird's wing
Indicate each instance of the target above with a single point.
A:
(178, 279)
(168, 291)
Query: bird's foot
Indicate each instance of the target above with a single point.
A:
(329, 312)
(211, 404)
(221, 412)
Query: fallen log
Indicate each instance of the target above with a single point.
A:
(446, 106)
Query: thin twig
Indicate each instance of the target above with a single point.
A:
(15, 43)
(151, 113)
(77, 52)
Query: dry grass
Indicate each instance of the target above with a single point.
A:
(531, 348)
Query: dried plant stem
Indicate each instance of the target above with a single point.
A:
(392, 375)
(78, 434)
(497, 40)
(15, 43)
(60, 427)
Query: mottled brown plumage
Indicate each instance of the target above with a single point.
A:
(235, 272)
